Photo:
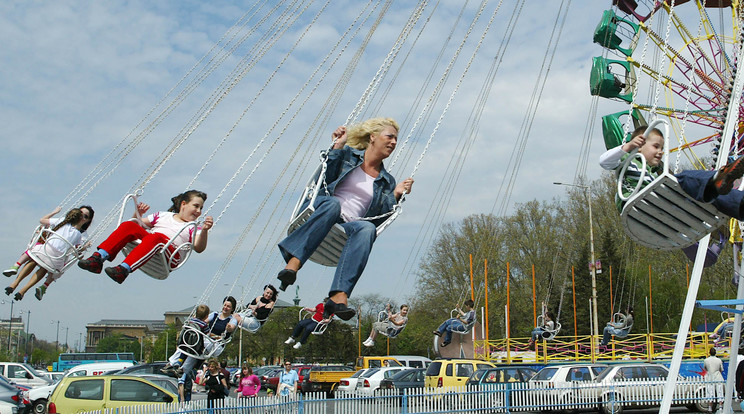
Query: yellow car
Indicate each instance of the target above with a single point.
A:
(452, 372)
(79, 394)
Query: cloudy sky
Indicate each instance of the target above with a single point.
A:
(93, 95)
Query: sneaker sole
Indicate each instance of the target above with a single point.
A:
(727, 183)
(86, 268)
(10, 273)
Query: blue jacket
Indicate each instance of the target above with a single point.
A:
(341, 162)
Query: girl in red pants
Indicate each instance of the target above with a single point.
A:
(159, 228)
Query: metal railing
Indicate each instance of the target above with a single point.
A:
(694, 393)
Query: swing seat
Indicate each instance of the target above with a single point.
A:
(49, 258)
(329, 251)
(661, 215)
(548, 334)
(167, 259)
(465, 328)
(196, 344)
(392, 330)
(320, 327)
(711, 255)
(249, 314)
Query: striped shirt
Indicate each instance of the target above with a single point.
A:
(614, 158)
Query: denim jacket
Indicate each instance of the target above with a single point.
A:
(341, 162)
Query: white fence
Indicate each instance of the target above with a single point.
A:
(694, 393)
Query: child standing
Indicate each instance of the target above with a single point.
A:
(249, 384)
(52, 252)
(713, 187)
(164, 225)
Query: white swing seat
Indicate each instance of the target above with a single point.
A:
(661, 215)
(465, 328)
(49, 258)
(392, 330)
(249, 314)
(548, 334)
(619, 318)
(193, 342)
(320, 327)
(163, 262)
(329, 251)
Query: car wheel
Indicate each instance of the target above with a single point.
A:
(611, 405)
(40, 406)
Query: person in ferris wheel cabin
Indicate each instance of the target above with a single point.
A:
(715, 187)
(357, 186)
(186, 207)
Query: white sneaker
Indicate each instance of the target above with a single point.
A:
(289, 341)
(298, 345)
(369, 343)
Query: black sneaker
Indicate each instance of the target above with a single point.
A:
(287, 277)
(93, 264)
(724, 179)
(443, 344)
(339, 309)
(18, 296)
(437, 333)
(117, 273)
(9, 290)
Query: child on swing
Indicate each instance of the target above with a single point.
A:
(715, 187)
(164, 225)
(391, 326)
(69, 230)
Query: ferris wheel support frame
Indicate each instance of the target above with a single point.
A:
(732, 117)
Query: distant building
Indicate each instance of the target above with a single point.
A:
(136, 329)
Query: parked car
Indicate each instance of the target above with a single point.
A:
(452, 372)
(77, 394)
(500, 375)
(619, 381)
(9, 393)
(266, 379)
(412, 361)
(325, 378)
(8, 408)
(23, 374)
(369, 382)
(347, 385)
(408, 379)
(302, 372)
(54, 376)
(151, 368)
(558, 384)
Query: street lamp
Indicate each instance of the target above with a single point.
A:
(56, 340)
(10, 322)
(595, 325)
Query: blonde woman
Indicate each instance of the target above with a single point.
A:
(357, 186)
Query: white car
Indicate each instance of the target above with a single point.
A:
(620, 383)
(348, 385)
(369, 382)
(8, 408)
(559, 385)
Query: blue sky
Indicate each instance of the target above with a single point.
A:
(78, 77)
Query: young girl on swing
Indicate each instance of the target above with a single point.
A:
(69, 230)
(164, 225)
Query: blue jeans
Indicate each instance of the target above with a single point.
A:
(537, 334)
(448, 326)
(303, 242)
(304, 327)
(609, 331)
(694, 183)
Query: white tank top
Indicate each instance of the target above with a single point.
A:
(355, 194)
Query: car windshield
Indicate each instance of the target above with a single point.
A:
(545, 374)
(358, 373)
(602, 375)
(31, 369)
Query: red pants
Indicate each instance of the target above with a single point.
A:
(128, 231)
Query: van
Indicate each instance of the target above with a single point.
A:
(452, 372)
(23, 374)
(412, 361)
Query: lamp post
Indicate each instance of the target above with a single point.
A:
(595, 325)
(56, 340)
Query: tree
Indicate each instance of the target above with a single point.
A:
(118, 343)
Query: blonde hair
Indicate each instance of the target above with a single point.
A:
(358, 135)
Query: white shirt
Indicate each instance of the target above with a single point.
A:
(354, 193)
(164, 222)
(67, 232)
